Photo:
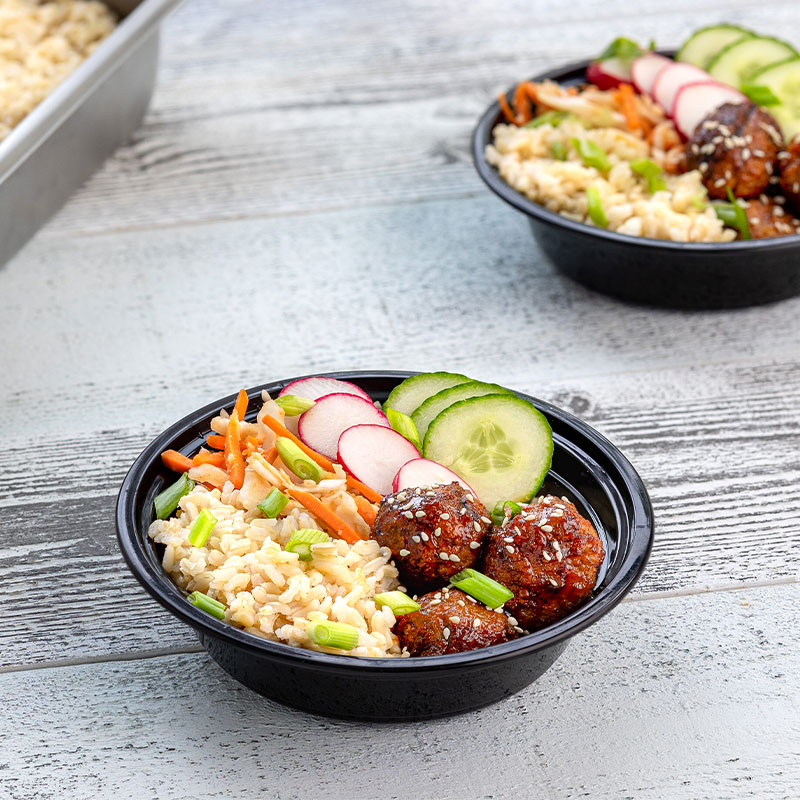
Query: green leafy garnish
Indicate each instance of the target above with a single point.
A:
(621, 47)
(591, 154)
(650, 170)
(760, 95)
(734, 216)
(554, 118)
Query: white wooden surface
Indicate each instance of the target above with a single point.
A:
(300, 198)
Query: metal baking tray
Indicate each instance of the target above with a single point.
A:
(75, 128)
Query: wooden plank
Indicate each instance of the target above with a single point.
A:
(691, 697)
(378, 109)
(726, 492)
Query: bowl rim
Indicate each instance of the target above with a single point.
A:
(481, 136)
(163, 590)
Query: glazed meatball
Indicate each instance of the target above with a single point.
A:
(432, 532)
(735, 148)
(548, 555)
(765, 219)
(450, 621)
(789, 160)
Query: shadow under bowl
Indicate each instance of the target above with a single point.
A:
(586, 467)
(653, 272)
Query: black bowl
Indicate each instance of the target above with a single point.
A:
(586, 467)
(641, 270)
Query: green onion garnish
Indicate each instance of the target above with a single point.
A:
(301, 540)
(760, 95)
(483, 588)
(591, 154)
(201, 528)
(399, 602)
(167, 501)
(650, 170)
(559, 151)
(554, 118)
(332, 634)
(594, 207)
(622, 48)
(273, 503)
(297, 461)
(207, 604)
(733, 215)
(499, 511)
(293, 405)
(405, 426)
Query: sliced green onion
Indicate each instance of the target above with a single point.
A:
(301, 540)
(554, 118)
(591, 154)
(293, 405)
(399, 602)
(207, 604)
(297, 461)
(733, 215)
(405, 426)
(650, 170)
(699, 201)
(273, 503)
(594, 207)
(332, 634)
(201, 528)
(559, 151)
(760, 95)
(499, 511)
(167, 501)
(483, 588)
(623, 48)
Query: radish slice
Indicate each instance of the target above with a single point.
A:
(645, 69)
(313, 388)
(608, 74)
(321, 426)
(672, 79)
(374, 454)
(424, 472)
(697, 100)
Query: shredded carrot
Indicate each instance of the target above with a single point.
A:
(176, 461)
(205, 457)
(626, 99)
(271, 455)
(506, 109)
(524, 100)
(280, 430)
(365, 509)
(233, 452)
(334, 524)
(241, 404)
(216, 440)
(362, 488)
(324, 462)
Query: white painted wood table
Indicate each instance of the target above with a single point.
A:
(300, 198)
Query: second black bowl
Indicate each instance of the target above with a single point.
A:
(586, 467)
(640, 270)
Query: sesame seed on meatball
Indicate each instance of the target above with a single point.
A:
(548, 556)
(432, 532)
(450, 621)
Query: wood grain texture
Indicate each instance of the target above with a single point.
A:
(691, 697)
(377, 110)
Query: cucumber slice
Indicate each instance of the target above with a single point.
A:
(434, 405)
(413, 391)
(499, 444)
(783, 79)
(706, 42)
(738, 62)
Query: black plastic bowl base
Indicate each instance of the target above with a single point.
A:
(586, 468)
(690, 275)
